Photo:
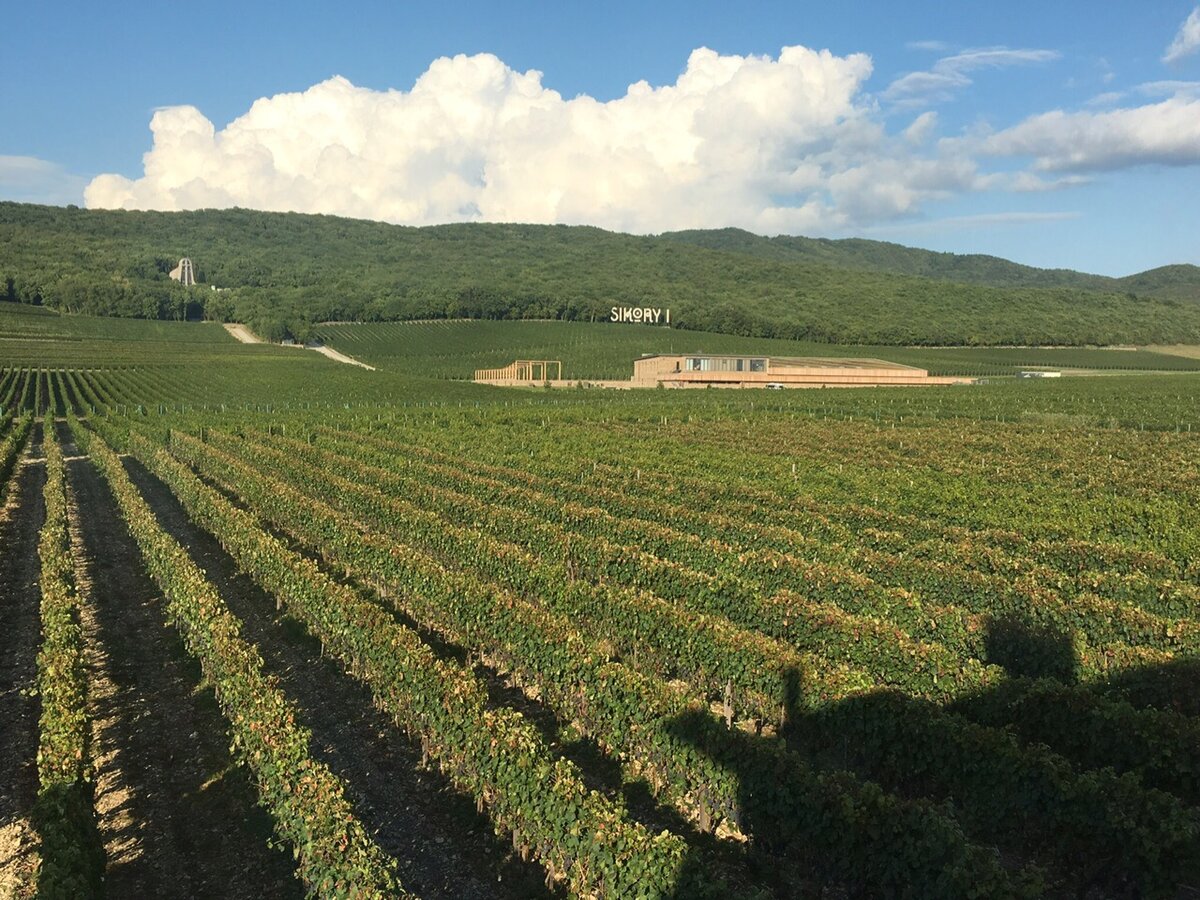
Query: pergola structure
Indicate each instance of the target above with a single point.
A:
(523, 370)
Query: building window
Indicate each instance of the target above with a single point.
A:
(724, 364)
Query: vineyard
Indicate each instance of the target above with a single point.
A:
(601, 350)
(275, 626)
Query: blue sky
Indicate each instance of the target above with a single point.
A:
(1056, 134)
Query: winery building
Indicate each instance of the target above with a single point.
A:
(698, 370)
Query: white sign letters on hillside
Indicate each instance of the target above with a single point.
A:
(646, 315)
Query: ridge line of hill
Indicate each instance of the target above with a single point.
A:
(280, 273)
(1178, 280)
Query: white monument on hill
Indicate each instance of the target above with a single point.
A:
(184, 273)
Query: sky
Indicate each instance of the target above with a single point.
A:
(1063, 135)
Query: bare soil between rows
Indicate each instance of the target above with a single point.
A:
(598, 770)
(20, 636)
(177, 817)
(443, 846)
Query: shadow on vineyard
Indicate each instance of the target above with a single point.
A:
(1031, 650)
(796, 801)
(1173, 686)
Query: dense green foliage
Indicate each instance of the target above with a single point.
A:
(1181, 282)
(285, 271)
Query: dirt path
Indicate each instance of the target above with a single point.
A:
(242, 333)
(20, 631)
(246, 336)
(342, 357)
(177, 818)
(1191, 351)
(444, 847)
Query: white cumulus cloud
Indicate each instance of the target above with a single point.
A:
(788, 143)
(1187, 41)
(1165, 133)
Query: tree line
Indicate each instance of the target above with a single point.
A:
(283, 272)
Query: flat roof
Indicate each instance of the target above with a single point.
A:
(838, 362)
(808, 362)
(707, 355)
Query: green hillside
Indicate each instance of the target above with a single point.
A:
(1180, 282)
(282, 272)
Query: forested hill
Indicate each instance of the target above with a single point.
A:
(280, 272)
(1181, 282)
